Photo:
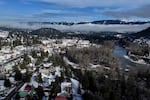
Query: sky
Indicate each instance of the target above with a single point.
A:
(73, 10)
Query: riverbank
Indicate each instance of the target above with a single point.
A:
(139, 61)
(125, 60)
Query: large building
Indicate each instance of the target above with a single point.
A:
(3, 34)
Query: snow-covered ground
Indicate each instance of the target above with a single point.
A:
(4, 90)
(64, 85)
(94, 66)
(58, 73)
(22, 88)
(70, 63)
(140, 61)
(75, 86)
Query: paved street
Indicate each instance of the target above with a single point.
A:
(14, 92)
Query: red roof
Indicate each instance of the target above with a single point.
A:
(27, 88)
(60, 98)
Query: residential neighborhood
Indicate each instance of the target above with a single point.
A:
(32, 72)
(74, 49)
(46, 64)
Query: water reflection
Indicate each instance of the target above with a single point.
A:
(124, 63)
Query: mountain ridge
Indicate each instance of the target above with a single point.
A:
(47, 32)
(144, 33)
(105, 22)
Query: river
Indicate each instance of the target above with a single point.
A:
(119, 52)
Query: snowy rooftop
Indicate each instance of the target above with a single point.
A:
(4, 34)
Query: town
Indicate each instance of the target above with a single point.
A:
(38, 70)
(46, 64)
(74, 50)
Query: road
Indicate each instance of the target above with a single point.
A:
(14, 92)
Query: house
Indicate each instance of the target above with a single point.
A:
(27, 88)
(47, 65)
(60, 98)
(2, 76)
(2, 87)
(83, 43)
(66, 87)
(4, 34)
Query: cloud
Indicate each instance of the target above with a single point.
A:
(84, 27)
(96, 3)
(75, 10)
(54, 11)
(61, 15)
(97, 8)
(141, 12)
(47, 16)
(101, 28)
(11, 16)
(61, 12)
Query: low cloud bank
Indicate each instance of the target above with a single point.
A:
(81, 27)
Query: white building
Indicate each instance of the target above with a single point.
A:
(4, 34)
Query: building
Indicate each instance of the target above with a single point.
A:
(60, 98)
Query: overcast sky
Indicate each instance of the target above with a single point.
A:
(73, 10)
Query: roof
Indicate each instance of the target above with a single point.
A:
(23, 94)
(1, 82)
(60, 98)
(27, 88)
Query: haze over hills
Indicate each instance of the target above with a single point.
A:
(95, 26)
(53, 32)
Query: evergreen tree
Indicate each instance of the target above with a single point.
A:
(34, 54)
(15, 68)
(39, 78)
(67, 72)
(40, 92)
(7, 83)
(17, 42)
(39, 61)
(85, 81)
(27, 77)
(23, 65)
(17, 97)
(18, 76)
(0, 44)
(56, 88)
(26, 59)
(92, 83)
